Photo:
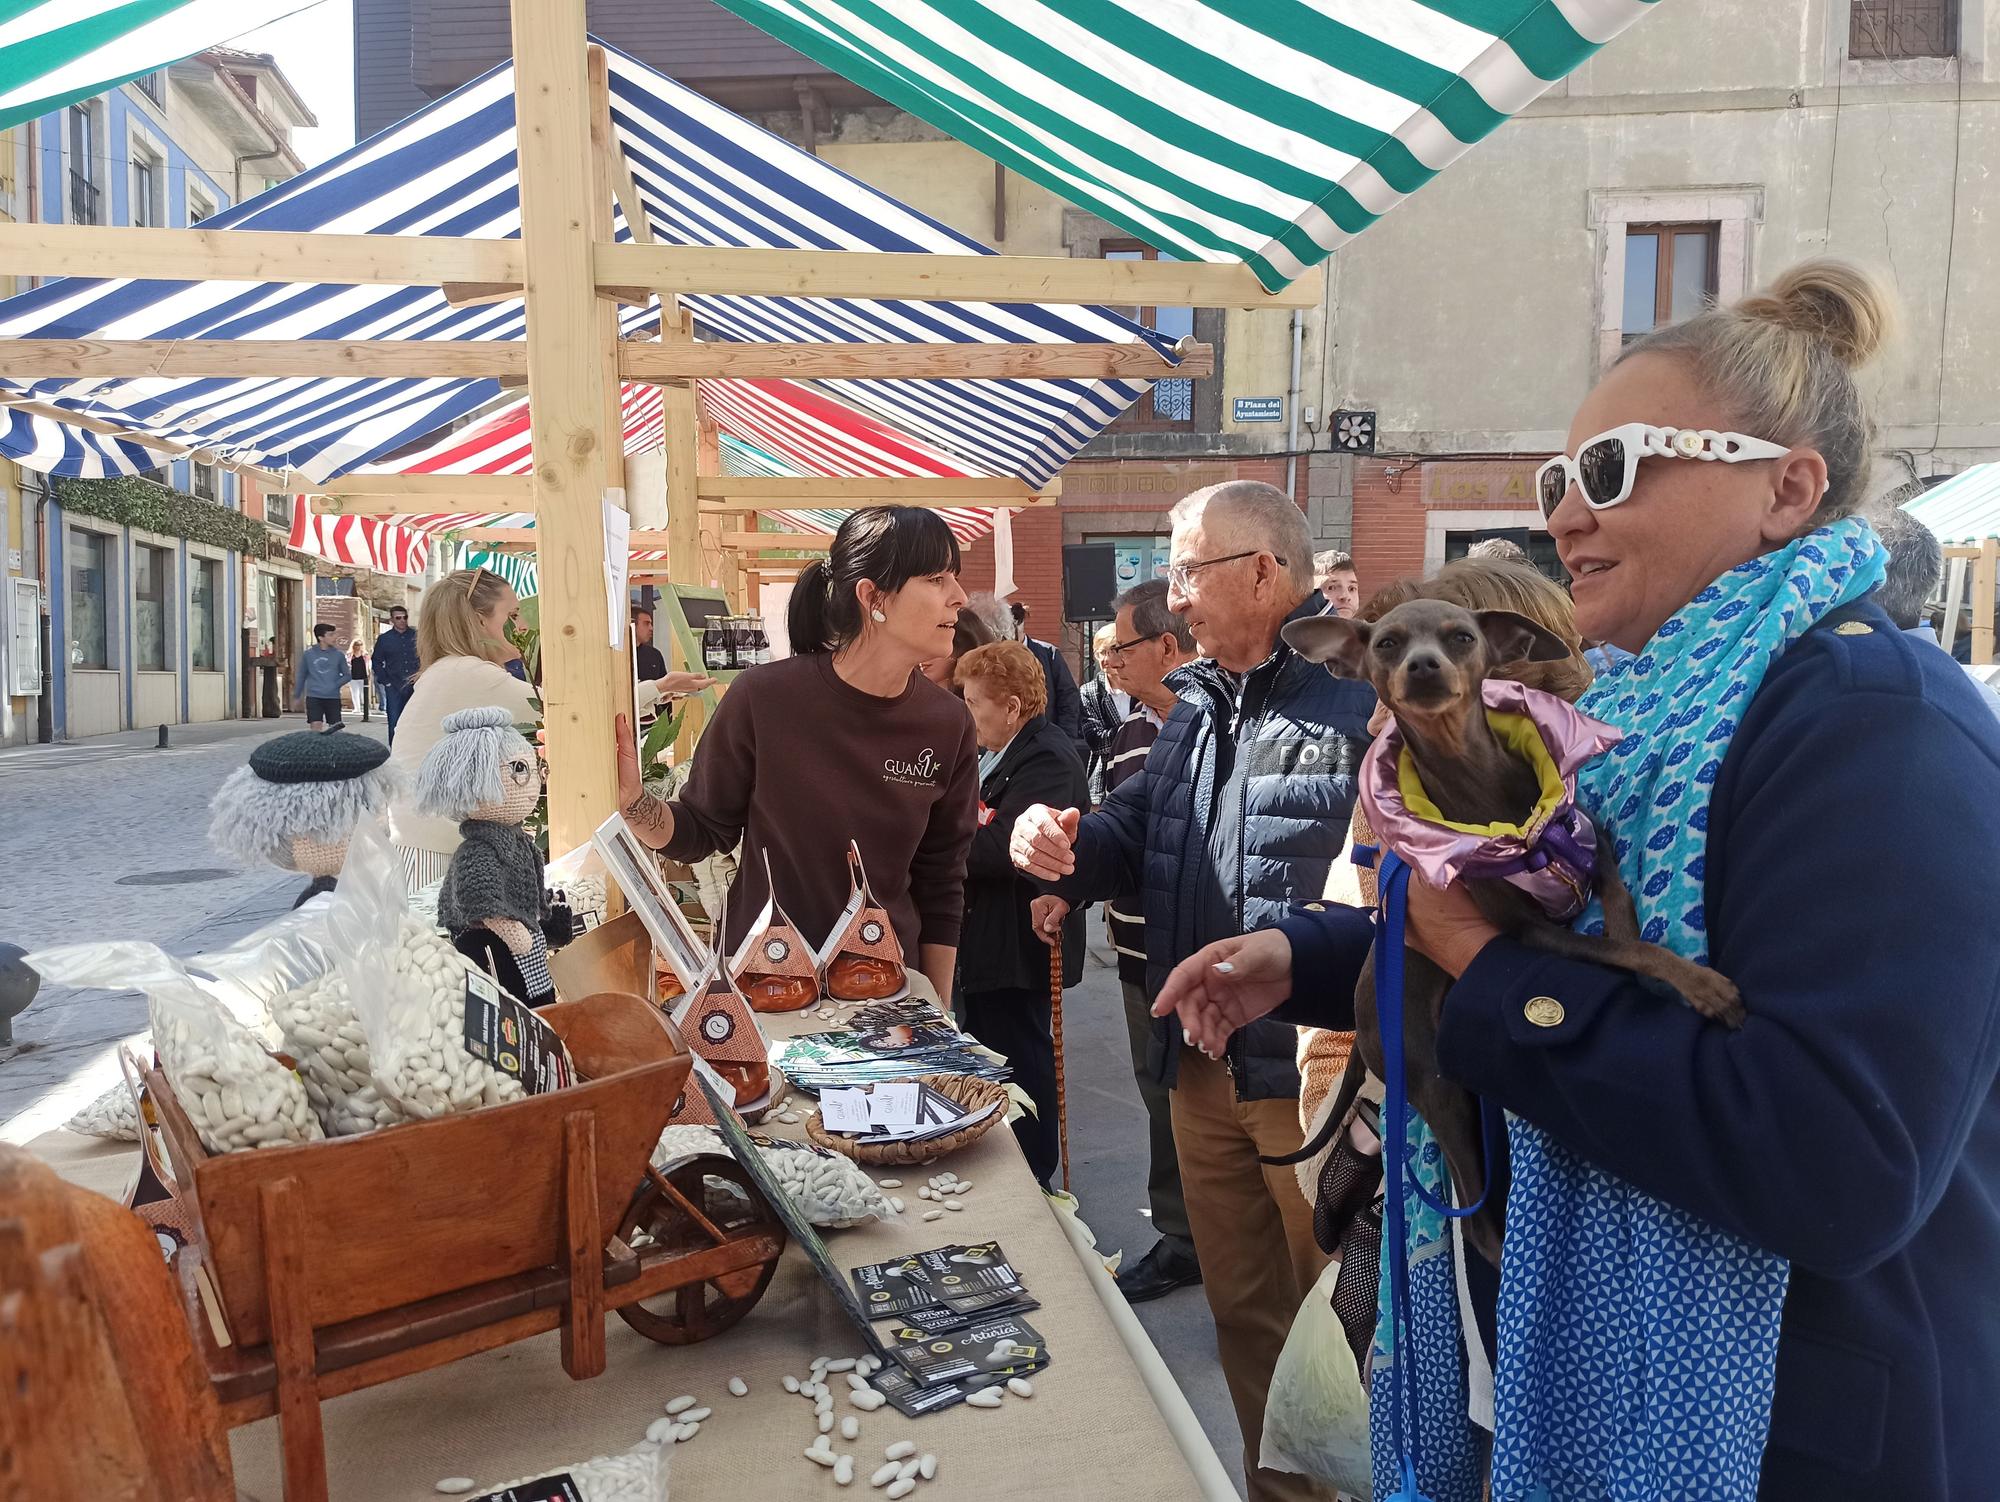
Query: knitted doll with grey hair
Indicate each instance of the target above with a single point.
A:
(298, 801)
(483, 772)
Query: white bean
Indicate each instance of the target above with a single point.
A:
(850, 1428)
(928, 1467)
(890, 1183)
(901, 1488)
(660, 1430)
(902, 1449)
(845, 1364)
(884, 1474)
(821, 1457)
(451, 1486)
(843, 1471)
(954, 1205)
(933, 1215)
(738, 1387)
(986, 1397)
(681, 1404)
(908, 1470)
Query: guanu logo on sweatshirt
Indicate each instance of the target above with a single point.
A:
(922, 770)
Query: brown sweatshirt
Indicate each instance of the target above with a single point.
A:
(797, 762)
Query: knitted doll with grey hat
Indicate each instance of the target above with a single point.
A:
(483, 772)
(296, 804)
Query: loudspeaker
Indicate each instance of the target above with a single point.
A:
(1090, 581)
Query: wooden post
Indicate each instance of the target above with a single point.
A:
(1985, 577)
(730, 569)
(571, 351)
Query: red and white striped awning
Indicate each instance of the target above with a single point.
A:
(779, 428)
(360, 541)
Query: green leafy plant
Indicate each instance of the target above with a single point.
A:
(527, 635)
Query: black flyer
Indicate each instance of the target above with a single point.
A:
(893, 1290)
(972, 1279)
(987, 1347)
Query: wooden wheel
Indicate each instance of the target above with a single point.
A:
(717, 1187)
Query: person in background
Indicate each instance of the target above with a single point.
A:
(845, 739)
(1499, 550)
(1065, 704)
(1916, 569)
(1003, 968)
(971, 630)
(357, 675)
(1151, 643)
(1240, 810)
(1105, 706)
(1337, 582)
(648, 661)
(322, 681)
(463, 641)
(656, 686)
(395, 661)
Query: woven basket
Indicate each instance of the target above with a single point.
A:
(968, 1090)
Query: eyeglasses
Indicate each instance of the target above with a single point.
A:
(1606, 467)
(1120, 648)
(1178, 574)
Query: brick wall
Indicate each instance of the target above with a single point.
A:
(1393, 500)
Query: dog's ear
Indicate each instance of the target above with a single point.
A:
(1339, 643)
(1515, 638)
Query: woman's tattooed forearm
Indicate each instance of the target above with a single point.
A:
(650, 818)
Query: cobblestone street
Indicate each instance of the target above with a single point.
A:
(106, 839)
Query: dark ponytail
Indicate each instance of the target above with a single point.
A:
(890, 545)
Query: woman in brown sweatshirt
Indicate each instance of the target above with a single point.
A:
(845, 739)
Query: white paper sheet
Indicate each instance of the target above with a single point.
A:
(617, 563)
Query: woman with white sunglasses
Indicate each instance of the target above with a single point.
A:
(1739, 1263)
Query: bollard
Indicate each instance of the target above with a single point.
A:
(162, 744)
(18, 985)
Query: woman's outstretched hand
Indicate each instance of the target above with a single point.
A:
(630, 784)
(1217, 990)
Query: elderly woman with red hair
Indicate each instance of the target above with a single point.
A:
(1003, 969)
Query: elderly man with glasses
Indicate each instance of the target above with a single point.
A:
(1239, 811)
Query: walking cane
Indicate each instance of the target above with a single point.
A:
(1056, 1031)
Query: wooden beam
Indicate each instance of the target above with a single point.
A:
(924, 277)
(571, 442)
(60, 359)
(503, 492)
(166, 447)
(1985, 578)
(719, 360)
(430, 260)
(796, 542)
(235, 255)
(851, 490)
(392, 505)
(478, 294)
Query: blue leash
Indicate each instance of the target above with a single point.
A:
(1394, 885)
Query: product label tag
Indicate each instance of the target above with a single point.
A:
(997, 1347)
(561, 1487)
(506, 1034)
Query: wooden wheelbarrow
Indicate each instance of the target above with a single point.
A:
(327, 1267)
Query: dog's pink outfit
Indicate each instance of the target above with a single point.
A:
(1552, 855)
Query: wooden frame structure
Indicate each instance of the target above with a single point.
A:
(572, 275)
(1980, 566)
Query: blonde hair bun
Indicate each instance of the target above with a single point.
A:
(1833, 302)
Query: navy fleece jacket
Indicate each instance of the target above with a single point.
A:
(1851, 1125)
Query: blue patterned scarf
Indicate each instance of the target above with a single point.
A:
(1638, 1345)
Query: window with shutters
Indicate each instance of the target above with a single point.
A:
(1171, 402)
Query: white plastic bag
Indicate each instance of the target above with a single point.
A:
(826, 1188)
(442, 1037)
(111, 1115)
(1316, 1417)
(216, 1056)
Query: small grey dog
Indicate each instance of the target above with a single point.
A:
(1427, 660)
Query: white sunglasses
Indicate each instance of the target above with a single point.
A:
(1605, 467)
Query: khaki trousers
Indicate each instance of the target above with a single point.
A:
(1253, 1233)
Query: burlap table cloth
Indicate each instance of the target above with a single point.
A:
(1092, 1429)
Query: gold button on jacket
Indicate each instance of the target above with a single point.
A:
(1543, 1011)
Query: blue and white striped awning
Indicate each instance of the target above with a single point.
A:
(705, 176)
(1964, 509)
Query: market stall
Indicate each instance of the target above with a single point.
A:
(1105, 1415)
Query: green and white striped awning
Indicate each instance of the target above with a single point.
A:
(1265, 131)
(55, 52)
